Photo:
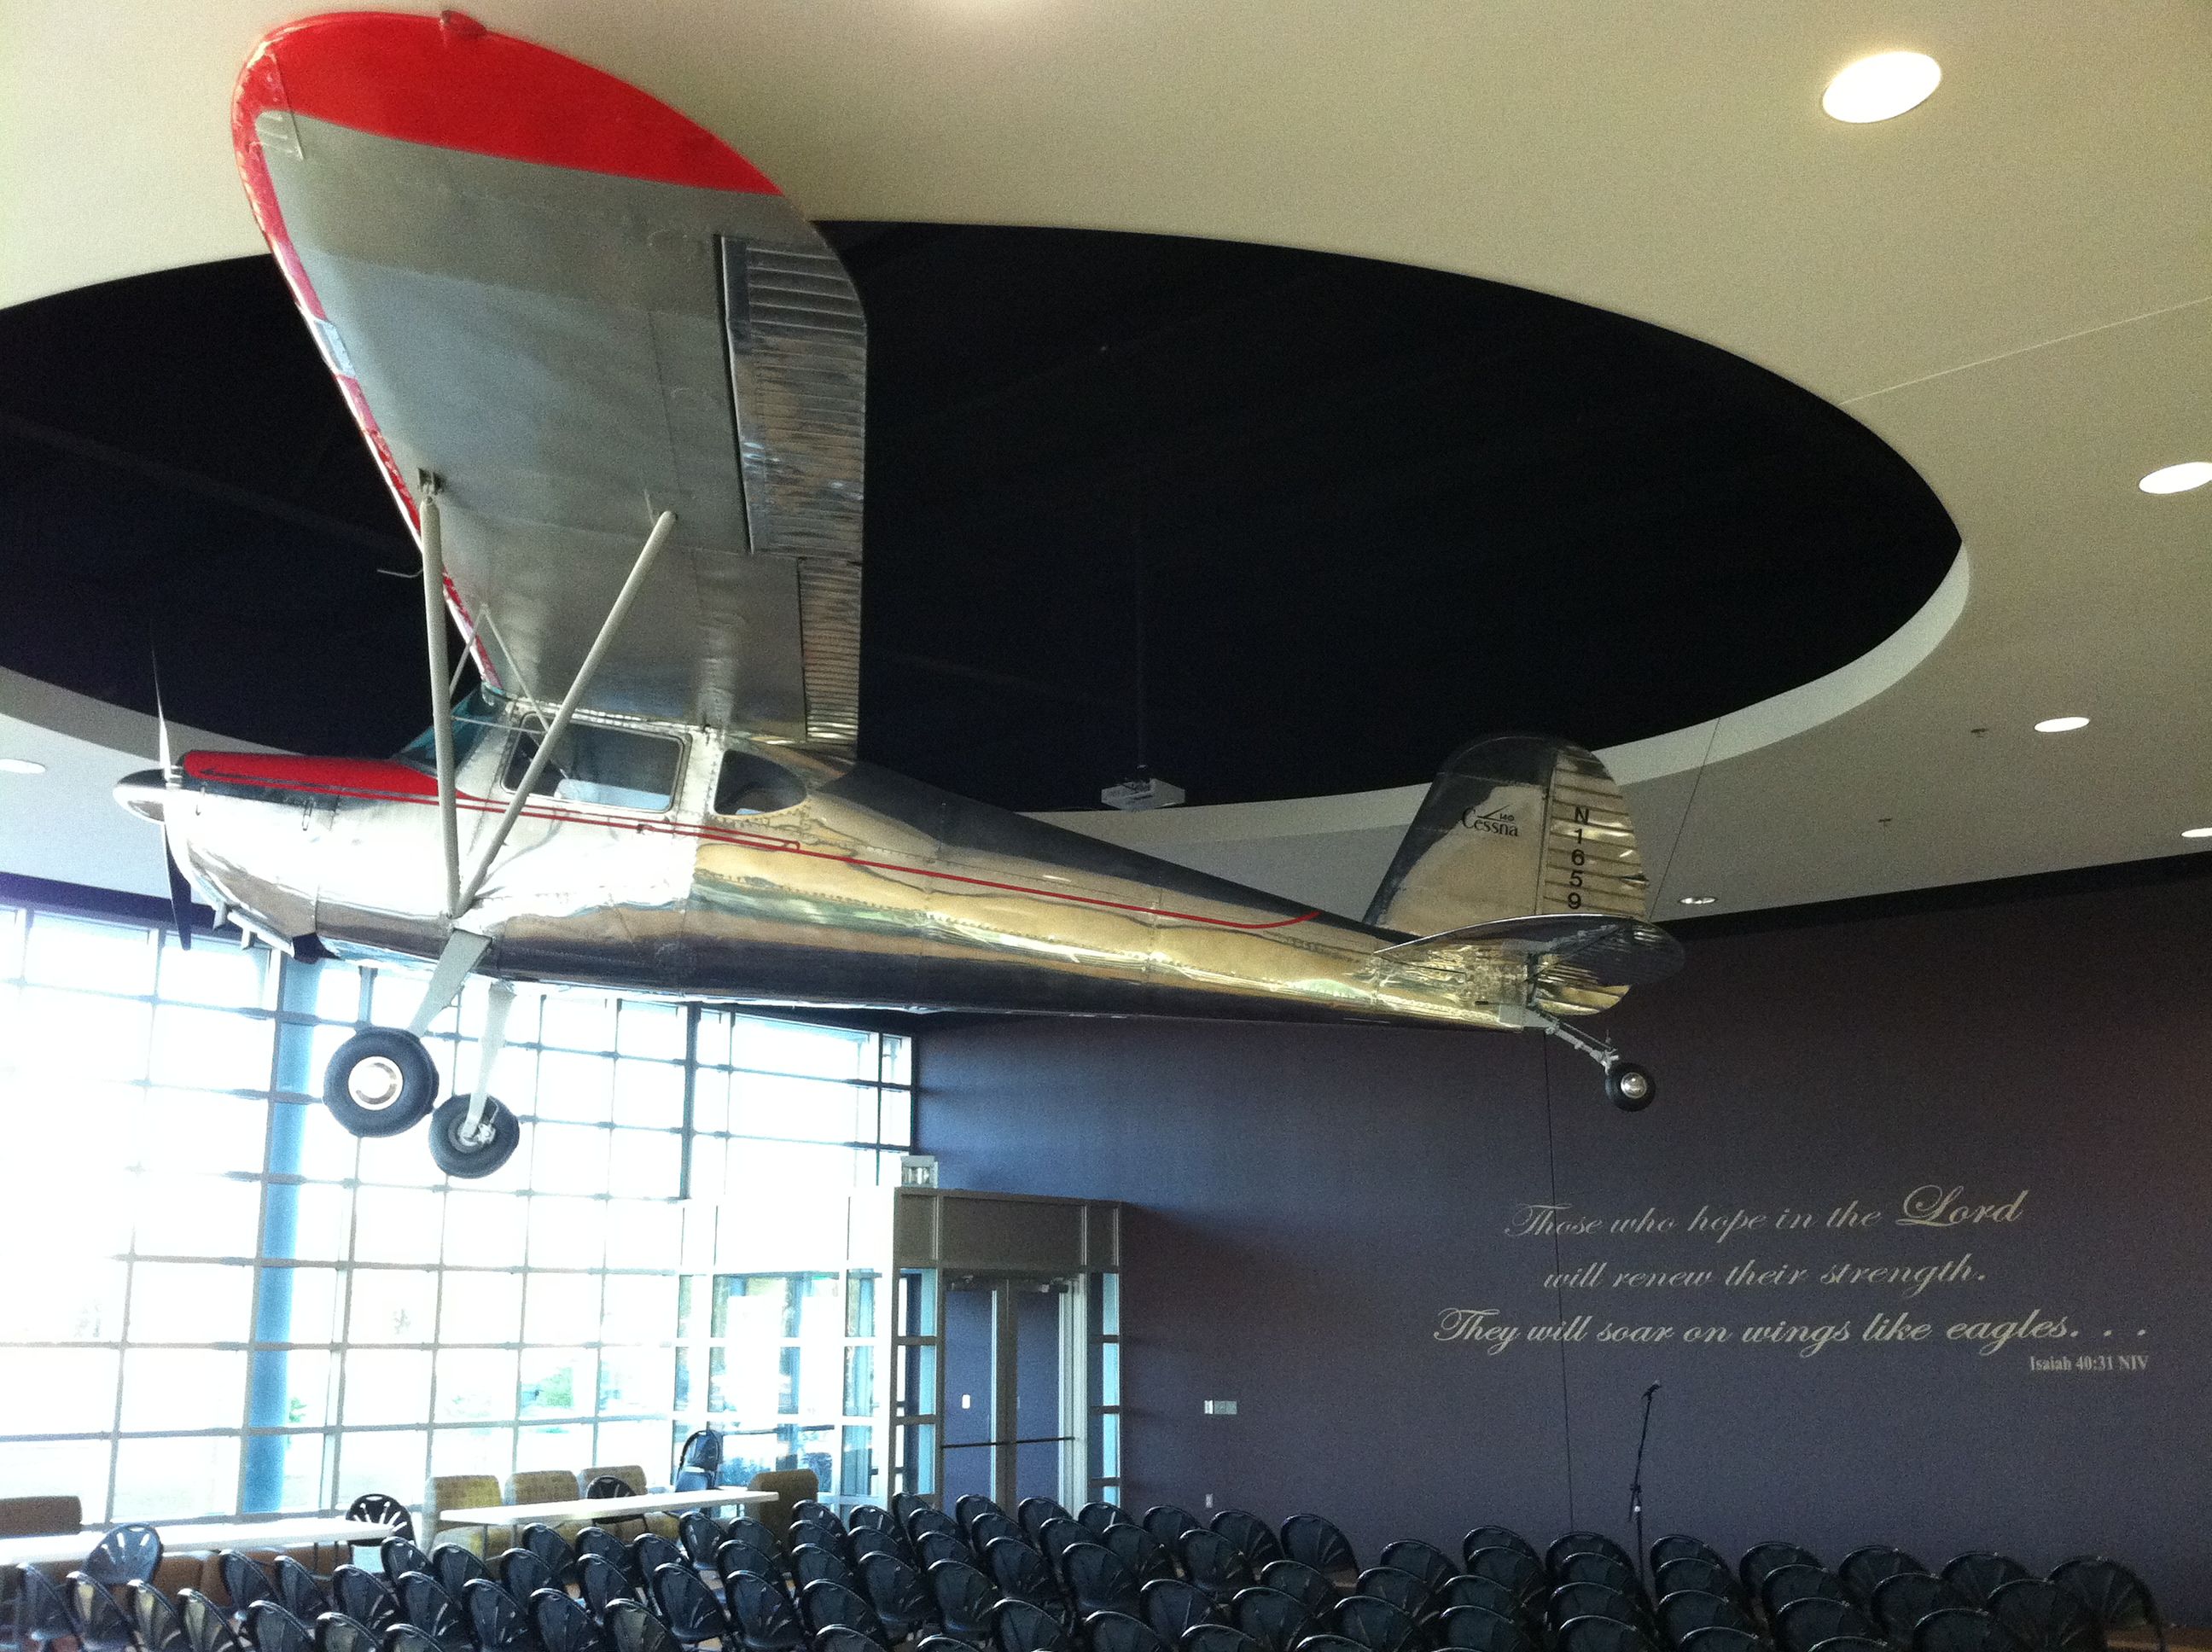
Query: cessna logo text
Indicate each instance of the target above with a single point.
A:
(1500, 820)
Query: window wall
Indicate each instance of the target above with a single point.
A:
(222, 1302)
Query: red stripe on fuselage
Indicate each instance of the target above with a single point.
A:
(331, 776)
(381, 781)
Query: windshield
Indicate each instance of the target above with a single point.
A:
(474, 717)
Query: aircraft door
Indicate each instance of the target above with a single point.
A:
(590, 882)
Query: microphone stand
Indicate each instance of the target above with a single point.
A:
(1635, 1490)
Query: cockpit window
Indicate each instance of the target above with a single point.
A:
(473, 718)
(752, 785)
(617, 767)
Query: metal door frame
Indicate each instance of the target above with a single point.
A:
(947, 1234)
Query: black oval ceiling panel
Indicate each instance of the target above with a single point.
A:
(1268, 523)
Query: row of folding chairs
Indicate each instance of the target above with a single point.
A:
(1881, 1595)
(135, 1616)
(1770, 1574)
(1168, 1542)
(1419, 1580)
(130, 1554)
(1977, 1600)
(1799, 1605)
(1580, 1574)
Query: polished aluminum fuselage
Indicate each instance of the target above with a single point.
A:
(875, 891)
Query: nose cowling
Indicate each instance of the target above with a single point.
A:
(240, 831)
(145, 794)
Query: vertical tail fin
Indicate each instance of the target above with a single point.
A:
(1514, 826)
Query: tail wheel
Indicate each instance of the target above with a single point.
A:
(497, 1137)
(380, 1082)
(1629, 1087)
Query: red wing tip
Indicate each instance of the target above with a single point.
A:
(450, 82)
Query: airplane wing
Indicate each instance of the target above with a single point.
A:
(576, 308)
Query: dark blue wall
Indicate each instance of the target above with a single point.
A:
(1309, 1206)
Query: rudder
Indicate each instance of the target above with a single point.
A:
(1514, 826)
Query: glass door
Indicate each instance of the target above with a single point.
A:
(1046, 1374)
(972, 1436)
(1014, 1371)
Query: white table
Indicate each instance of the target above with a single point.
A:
(649, 1502)
(200, 1540)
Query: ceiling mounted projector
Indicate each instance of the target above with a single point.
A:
(1146, 792)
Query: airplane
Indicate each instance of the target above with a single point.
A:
(615, 381)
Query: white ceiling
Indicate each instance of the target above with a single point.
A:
(65, 824)
(2012, 285)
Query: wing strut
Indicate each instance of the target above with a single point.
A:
(653, 541)
(441, 689)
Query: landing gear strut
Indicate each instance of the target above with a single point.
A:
(1627, 1086)
(382, 1080)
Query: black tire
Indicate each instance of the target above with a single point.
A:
(1629, 1087)
(379, 1083)
(458, 1158)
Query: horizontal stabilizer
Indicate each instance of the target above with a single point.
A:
(1600, 950)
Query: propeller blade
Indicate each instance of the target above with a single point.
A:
(161, 719)
(181, 887)
(180, 895)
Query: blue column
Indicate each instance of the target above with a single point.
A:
(266, 1388)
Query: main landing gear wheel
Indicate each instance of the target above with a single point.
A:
(380, 1082)
(496, 1137)
(1629, 1087)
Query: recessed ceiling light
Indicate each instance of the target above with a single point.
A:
(2198, 831)
(2061, 724)
(2177, 478)
(21, 766)
(1699, 900)
(1882, 87)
